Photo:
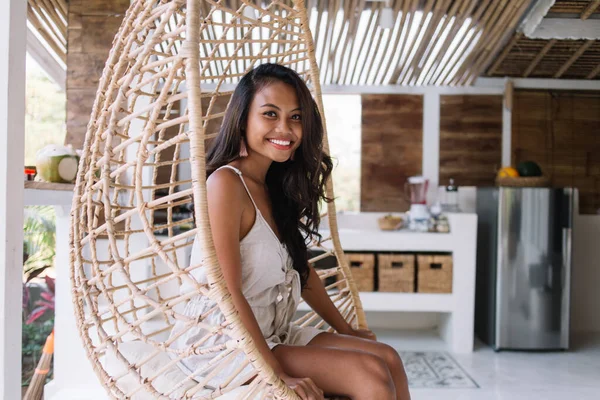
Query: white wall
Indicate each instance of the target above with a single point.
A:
(585, 283)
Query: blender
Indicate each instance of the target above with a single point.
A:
(416, 189)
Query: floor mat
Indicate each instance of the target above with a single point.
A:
(434, 370)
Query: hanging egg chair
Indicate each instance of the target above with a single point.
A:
(162, 96)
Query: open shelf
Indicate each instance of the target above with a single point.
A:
(48, 194)
(407, 302)
(412, 340)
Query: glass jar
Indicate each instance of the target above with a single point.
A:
(451, 198)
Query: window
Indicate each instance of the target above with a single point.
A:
(343, 116)
(45, 111)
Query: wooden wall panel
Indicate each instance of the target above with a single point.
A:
(470, 139)
(531, 123)
(213, 126)
(92, 25)
(168, 154)
(392, 149)
(560, 130)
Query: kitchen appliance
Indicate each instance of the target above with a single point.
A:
(416, 190)
(524, 267)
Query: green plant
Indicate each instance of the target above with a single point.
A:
(45, 305)
(39, 240)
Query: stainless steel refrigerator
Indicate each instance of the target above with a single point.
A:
(524, 267)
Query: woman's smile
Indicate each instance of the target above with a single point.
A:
(281, 144)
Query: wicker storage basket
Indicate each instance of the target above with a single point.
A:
(323, 264)
(362, 266)
(524, 181)
(435, 273)
(396, 272)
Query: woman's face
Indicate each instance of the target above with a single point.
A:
(274, 127)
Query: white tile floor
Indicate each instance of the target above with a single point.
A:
(570, 375)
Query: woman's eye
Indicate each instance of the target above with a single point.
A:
(270, 114)
(297, 117)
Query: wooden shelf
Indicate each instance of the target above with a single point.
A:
(49, 185)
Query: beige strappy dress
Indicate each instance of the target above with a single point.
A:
(270, 284)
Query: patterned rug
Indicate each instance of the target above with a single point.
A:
(434, 370)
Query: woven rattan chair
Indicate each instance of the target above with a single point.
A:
(162, 95)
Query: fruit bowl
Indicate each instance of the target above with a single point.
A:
(523, 181)
(527, 174)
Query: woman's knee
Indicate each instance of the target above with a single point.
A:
(376, 368)
(377, 380)
(391, 357)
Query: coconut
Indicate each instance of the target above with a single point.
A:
(57, 163)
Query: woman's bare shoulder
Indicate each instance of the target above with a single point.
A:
(225, 188)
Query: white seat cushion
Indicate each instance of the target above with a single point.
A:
(136, 351)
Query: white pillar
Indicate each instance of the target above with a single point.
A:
(13, 36)
(74, 377)
(431, 142)
(507, 105)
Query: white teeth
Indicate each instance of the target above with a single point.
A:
(280, 142)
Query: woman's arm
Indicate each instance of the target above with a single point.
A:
(317, 298)
(225, 206)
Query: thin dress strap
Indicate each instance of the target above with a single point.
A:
(237, 171)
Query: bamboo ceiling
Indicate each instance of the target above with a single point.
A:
(48, 18)
(432, 42)
(582, 8)
(553, 58)
(429, 42)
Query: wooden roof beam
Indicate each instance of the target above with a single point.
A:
(44, 58)
(507, 22)
(590, 9)
(573, 58)
(505, 52)
(539, 57)
(594, 72)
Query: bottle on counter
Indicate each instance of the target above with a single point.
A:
(451, 198)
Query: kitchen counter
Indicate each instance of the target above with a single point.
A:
(360, 232)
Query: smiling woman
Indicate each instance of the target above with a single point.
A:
(273, 133)
(275, 125)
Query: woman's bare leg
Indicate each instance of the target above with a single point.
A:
(356, 374)
(382, 350)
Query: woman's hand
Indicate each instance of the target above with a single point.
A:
(304, 387)
(361, 333)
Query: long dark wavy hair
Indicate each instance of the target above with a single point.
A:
(295, 187)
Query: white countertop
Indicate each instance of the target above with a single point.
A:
(360, 232)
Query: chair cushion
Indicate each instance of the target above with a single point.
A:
(136, 351)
